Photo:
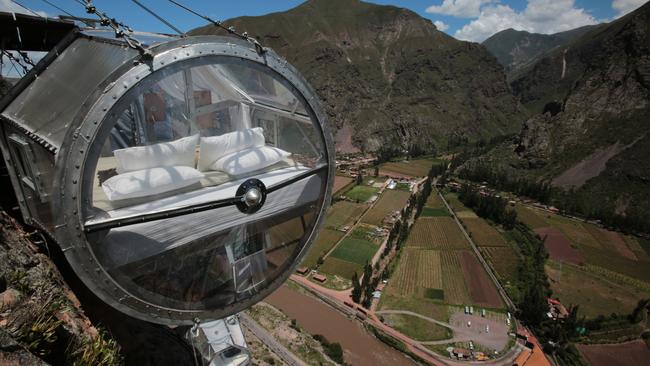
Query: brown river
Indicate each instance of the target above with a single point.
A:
(360, 348)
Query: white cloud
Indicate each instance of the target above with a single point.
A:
(459, 8)
(625, 6)
(441, 25)
(540, 16)
(10, 6)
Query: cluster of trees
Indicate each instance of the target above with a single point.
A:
(332, 349)
(362, 290)
(505, 181)
(573, 202)
(489, 207)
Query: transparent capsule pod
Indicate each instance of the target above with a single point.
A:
(185, 186)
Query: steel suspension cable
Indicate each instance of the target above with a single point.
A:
(167, 23)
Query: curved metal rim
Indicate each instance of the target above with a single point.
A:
(71, 161)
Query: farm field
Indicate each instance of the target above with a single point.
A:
(596, 294)
(434, 201)
(484, 234)
(361, 193)
(355, 250)
(481, 288)
(343, 214)
(504, 261)
(411, 168)
(340, 182)
(417, 271)
(436, 233)
(454, 284)
(558, 246)
(326, 240)
(622, 354)
(390, 200)
(434, 212)
(416, 328)
(340, 267)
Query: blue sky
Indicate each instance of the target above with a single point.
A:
(472, 20)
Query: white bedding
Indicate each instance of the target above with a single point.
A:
(123, 245)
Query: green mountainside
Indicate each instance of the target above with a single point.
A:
(387, 76)
(591, 128)
(516, 50)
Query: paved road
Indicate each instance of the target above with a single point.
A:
(488, 269)
(287, 356)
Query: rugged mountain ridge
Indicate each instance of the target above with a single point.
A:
(387, 76)
(591, 132)
(517, 50)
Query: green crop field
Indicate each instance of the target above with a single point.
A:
(326, 240)
(411, 168)
(355, 250)
(390, 200)
(343, 214)
(361, 193)
(436, 233)
(504, 260)
(533, 218)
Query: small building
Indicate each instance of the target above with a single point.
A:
(303, 270)
(461, 353)
(320, 278)
(556, 310)
(376, 294)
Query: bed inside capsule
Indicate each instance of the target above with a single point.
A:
(185, 187)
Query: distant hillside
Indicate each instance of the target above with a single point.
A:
(517, 49)
(591, 131)
(388, 77)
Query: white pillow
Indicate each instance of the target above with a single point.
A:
(249, 160)
(173, 153)
(214, 148)
(148, 182)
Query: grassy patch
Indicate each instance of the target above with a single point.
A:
(417, 328)
(326, 240)
(340, 267)
(343, 214)
(596, 295)
(361, 193)
(427, 307)
(434, 293)
(434, 212)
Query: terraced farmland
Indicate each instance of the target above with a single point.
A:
(417, 271)
(436, 233)
(456, 290)
(390, 200)
(326, 240)
(343, 213)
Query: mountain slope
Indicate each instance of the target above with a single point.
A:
(591, 131)
(516, 50)
(387, 76)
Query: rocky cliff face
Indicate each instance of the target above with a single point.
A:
(591, 129)
(388, 76)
